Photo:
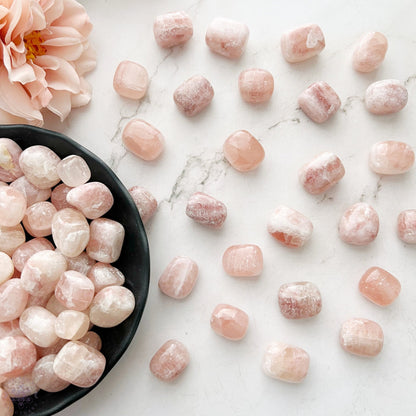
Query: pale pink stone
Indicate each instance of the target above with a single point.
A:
(6, 267)
(321, 173)
(18, 356)
(82, 263)
(3, 183)
(285, 362)
(71, 325)
(103, 274)
(79, 364)
(169, 361)
(31, 192)
(302, 43)
(379, 286)
(73, 170)
(361, 337)
(111, 306)
(11, 238)
(143, 140)
(229, 322)
(28, 249)
(70, 232)
(244, 260)
(386, 97)
(13, 299)
(20, 386)
(38, 219)
(370, 52)
(106, 240)
(145, 202)
(227, 37)
(359, 224)
(206, 210)
(172, 29)
(179, 277)
(319, 102)
(256, 85)
(289, 227)
(391, 158)
(130, 80)
(193, 95)
(243, 151)
(406, 226)
(44, 376)
(38, 300)
(53, 305)
(299, 300)
(10, 329)
(12, 206)
(92, 339)
(9, 160)
(58, 197)
(54, 349)
(42, 271)
(74, 290)
(6, 404)
(39, 163)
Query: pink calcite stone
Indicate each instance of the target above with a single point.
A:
(379, 286)
(359, 224)
(319, 102)
(31, 192)
(82, 263)
(391, 158)
(38, 300)
(193, 95)
(53, 305)
(302, 43)
(227, 37)
(71, 325)
(361, 337)
(289, 227)
(285, 362)
(92, 339)
(206, 210)
(321, 173)
(18, 356)
(6, 267)
(73, 171)
(179, 277)
(169, 361)
(10, 329)
(172, 29)
(79, 364)
(256, 85)
(44, 376)
(103, 275)
(243, 151)
(38, 219)
(54, 349)
(28, 249)
(13, 299)
(12, 206)
(386, 97)
(406, 226)
(6, 404)
(370, 52)
(11, 238)
(145, 202)
(229, 322)
(9, 160)
(58, 197)
(243, 260)
(131, 80)
(20, 386)
(299, 300)
(143, 140)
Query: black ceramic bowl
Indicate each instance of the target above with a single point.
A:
(133, 262)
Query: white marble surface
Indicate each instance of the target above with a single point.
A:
(224, 378)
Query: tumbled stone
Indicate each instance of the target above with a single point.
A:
(6, 267)
(6, 404)
(82, 263)
(229, 322)
(143, 140)
(58, 196)
(321, 173)
(22, 254)
(10, 329)
(359, 224)
(18, 356)
(285, 362)
(79, 364)
(9, 160)
(299, 300)
(40, 299)
(31, 192)
(243, 151)
(179, 277)
(13, 299)
(169, 361)
(302, 43)
(131, 80)
(12, 206)
(11, 238)
(20, 386)
(370, 52)
(73, 171)
(145, 202)
(256, 85)
(38, 219)
(53, 349)
(406, 226)
(319, 102)
(243, 260)
(103, 274)
(289, 227)
(206, 210)
(92, 339)
(53, 305)
(386, 97)
(361, 337)
(194, 95)
(172, 29)
(71, 325)
(44, 376)
(391, 158)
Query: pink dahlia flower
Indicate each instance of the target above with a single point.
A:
(44, 55)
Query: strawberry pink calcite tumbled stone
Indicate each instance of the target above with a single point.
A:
(145, 202)
(169, 361)
(256, 85)
(92, 339)
(53, 305)
(391, 157)
(44, 376)
(10, 328)
(13, 299)
(31, 192)
(229, 322)
(71, 325)
(370, 52)
(12, 206)
(103, 275)
(6, 404)
(6, 267)
(38, 219)
(54, 349)
(179, 277)
(82, 263)
(406, 226)
(28, 249)
(11, 238)
(131, 80)
(18, 356)
(285, 362)
(58, 196)
(20, 386)
(206, 210)
(73, 170)
(9, 160)
(386, 97)
(243, 260)
(172, 29)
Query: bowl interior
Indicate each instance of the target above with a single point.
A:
(133, 262)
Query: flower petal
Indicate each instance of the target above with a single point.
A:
(75, 16)
(84, 97)
(87, 61)
(7, 118)
(53, 9)
(39, 21)
(22, 74)
(69, 53)
(60, 104)
(61, 36)
(38, 89)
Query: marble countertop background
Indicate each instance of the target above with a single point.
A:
(225, 378)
